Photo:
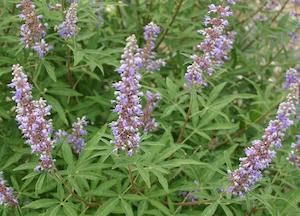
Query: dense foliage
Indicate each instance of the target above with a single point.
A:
(92, 123)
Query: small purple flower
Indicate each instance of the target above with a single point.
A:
(60, 134)
(223, 11)
(76, 137)
(232, 2)
(260, 18)
(293, 39)
(294, 155)
(190, 195)
(128, 107)
(152, 102)
(31, 116)
(272, 5)
(33, 30)
(6, 194)
(260, 154)
(42, 48)
(148, 55)
(68, 28)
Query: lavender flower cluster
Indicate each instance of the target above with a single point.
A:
(76, 137)
(33, 30)
(294, 155)
(148, 55)
(68, 28)
(214, 48)
(31, 116)
(291, 76)
(128, 95)
(148, 121)
(260, 155)
(6, 194)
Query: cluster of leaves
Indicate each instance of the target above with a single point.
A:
(76, 79)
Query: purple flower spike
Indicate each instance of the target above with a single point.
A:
(6, 194)
(68, 28)
(260, 154)
(294, 155)
(291, 76)
(126, 128)
(150, 62)
(31, 116)
(214, 48)
(152, 102)
(78, 131)
(33, 30)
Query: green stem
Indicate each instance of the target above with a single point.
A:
(187, 118)
(19, 210)
(280, 11)
(166, 31)
(71, 191)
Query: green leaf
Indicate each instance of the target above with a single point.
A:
(64, 92)
(67, 154)
(92, 143)
(41, 203)
(57, 107)
(160, 206)
(180, 162)
(227, 210)
(107, 207)
(13, 159)
(195, 108)
(162, 180)
(215, 92)
(50, 70)
(26, 166)
(210, 210)
(69, 210)
(145, 175)
(4, 114)
(78, 56)
(55, 210)
(40, 182)
(142, 207)
(171, 86)
(221, 126)
(126, 208)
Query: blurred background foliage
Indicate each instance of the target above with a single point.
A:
(76, 79)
